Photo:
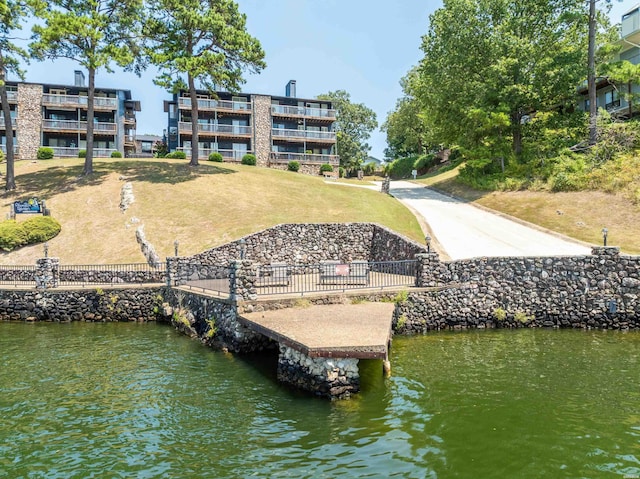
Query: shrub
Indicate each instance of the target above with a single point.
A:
(34, 230)
(249, 159)
(176, 155)
(1, 156)
(326, 167)
(293, 166)
(401, 168)
(499, 314)
(160, 149)
(44, 153)
(341, 172)
(369, 168)
(82, 154)
(116, 154)
(215, 156)
(12, 235)
(423, 163)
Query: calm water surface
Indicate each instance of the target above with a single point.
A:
(140, 401)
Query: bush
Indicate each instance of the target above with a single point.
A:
(401, 168)
(326, 167)
(44, 153)
(116, 154)
(293, 166)
(1, 156)
(176, 155)
(160, 149)
(341, 172)
(82, 154)
(249, 159)
(34, 230)
(423, 163)
(369, 168)
(215, 156)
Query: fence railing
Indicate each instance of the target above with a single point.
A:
(283, 157)
(81, 101)
(217, 128)
(287, 110)
(111, 274)
(18, 275)
(303, 134)
(72, 152)
(209, 104)
(335, 276)
(235, 155)
(74, 125)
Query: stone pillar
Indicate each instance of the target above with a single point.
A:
(242, 280)
(428, 269)
(29, 121)
(385, 185)
(262, 128)
(47, 273)
(334, 378)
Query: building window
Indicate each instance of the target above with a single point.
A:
(612, 99)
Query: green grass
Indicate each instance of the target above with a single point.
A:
(200, 207)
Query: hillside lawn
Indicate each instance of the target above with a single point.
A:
(580, 215)
(200, 207)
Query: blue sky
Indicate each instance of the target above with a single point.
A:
(361, 46)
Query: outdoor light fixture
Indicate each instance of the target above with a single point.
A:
(46, 250)
(605, 231)
(243, 248)
(428, 240)
(176, 243)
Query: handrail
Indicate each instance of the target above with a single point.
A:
(78, 125)
(303, 111)
(210, 104)
(235, 155)
(216, 128)
(306, 134)
(304, 157)
(100, 102)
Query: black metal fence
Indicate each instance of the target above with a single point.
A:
(15, 276)
(279, 278)
(111, 274)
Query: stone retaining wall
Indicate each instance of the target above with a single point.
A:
(601, 290)
(311, 169)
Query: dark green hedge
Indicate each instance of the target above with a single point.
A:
(14, 234)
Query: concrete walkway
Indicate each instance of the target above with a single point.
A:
(465, 231)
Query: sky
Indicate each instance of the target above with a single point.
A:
(362, 46)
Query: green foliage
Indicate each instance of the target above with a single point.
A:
(249, 159)
(82, 153)
(160, 149)
(369, 168)
(215, 156)
(176, 155)
(401, 297)
(499, 314)
(211, 328)
(38, 229)
(44, 153)
(400, 168)
(1, 156)
(116, 154)
(293, 166)
(354, 124)
(326, 167)
(522, 317)
(424, 162)
(401, 323)
(191, 42)
(341, 172)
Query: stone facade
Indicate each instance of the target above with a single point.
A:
(29, 120)
(601, 290)
(312, 169)
(262, 128)
(328, 377)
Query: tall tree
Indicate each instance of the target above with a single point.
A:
(11, 14)
(204, 40)
(95, 33)
(500, 57)
(354, 124)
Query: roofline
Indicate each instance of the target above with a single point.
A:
(279, 97)
(60, 85)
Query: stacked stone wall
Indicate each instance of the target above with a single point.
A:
(311, 169)
(262, 128)
(29, 120)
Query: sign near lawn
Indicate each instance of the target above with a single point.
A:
(31, 205)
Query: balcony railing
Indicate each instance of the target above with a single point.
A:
(216, 128)
(612, 105)
(72, 152)
(203, 153)
(12, 96)
(287, 110)
(3, 148)
(303, 134)
(2, 125)
(281, 157)
(100, 103)
(227, 105)
(74, 125)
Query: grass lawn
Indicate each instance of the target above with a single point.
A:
(200, 207)
(580, 215)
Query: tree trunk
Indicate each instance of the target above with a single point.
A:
(591, 75)
(88, 161)
(194, 121)
(516, 130)
(630, 94)
(6, 112)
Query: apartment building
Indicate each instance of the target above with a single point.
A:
(611, 96)
(56, 116)
(276, 129)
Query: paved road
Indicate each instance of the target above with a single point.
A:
(465, 231)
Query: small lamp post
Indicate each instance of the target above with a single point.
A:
(243, 248)
(176, 244)
(428, 241)
(605, 232)
(46, 249)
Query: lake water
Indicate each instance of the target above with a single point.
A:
(140, 401)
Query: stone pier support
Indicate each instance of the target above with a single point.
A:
(47, 273)
(335, 378)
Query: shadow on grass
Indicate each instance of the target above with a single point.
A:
(56, 180)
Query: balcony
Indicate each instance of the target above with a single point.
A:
(72, 152)
(129, 119)
(13, 123)
(280, 157)
(77, 101)
(301, 112)
(304, 135)
(228, 155)
(3, 148)
(74, 126)
(204, 104)
(216, 129)
(129, 140)
(12, 96)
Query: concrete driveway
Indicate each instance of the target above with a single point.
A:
(465, 231)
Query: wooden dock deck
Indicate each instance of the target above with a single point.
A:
(361, 331)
